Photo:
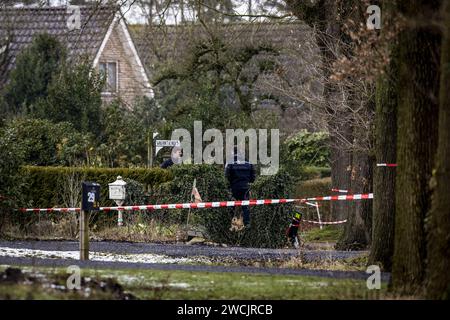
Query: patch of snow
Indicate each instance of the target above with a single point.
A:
(180, 285)
(312, 284)
(130, 279)
(94, 256)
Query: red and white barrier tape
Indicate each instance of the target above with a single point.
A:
(312, 204)
(188, 205)
(341, 197)
(386, 164)
(325, 222)
(217, 204)
(50, 209)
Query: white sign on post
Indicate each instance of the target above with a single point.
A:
(166, 143)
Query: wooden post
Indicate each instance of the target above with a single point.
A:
(84, 235)
(192, 200)
(149, 150)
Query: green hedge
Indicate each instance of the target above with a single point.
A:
(312, 188)
(268, 223)
(45, 186)
(311, 172)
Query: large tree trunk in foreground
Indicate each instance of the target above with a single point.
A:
(383, 220)
(438, 275)
(382, 247)
(416, 143)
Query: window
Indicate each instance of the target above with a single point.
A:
(109, 70)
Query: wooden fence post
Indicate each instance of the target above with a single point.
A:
(84, 235)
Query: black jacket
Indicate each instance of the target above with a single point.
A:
(240, 174)
(166, 164)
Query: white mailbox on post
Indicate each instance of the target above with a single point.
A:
(117, 192)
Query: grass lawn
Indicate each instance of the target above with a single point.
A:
(155, 284)
(327, 233)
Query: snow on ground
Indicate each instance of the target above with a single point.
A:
(95, 256)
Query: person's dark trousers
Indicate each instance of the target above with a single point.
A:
(243, 194)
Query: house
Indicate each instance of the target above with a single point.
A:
(102, 35)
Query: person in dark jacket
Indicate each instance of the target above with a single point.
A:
(239, 174)
(175, 158)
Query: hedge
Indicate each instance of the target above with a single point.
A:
(312, 188)
(45, 186)
(210, 182)
(311, 172)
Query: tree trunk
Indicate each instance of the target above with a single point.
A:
(438, 276)
(341, 162)
(328, 17)
(416, 144)
(357, 230)
(328, 37)
(382, 247)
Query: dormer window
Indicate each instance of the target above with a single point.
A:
(109, 71)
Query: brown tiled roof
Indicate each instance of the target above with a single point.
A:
(166, 44)
(20, 25)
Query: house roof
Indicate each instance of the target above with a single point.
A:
(20, 25)
(166, 44)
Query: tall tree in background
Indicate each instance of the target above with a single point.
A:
(34, 69)
(360, 104)
(357, 230)
(438, 229)
(323, 17)
(418, 84)
(351, 167)
(74, 95)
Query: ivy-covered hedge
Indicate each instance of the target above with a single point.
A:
(268, 222)
(50, 186)
(210, 182)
